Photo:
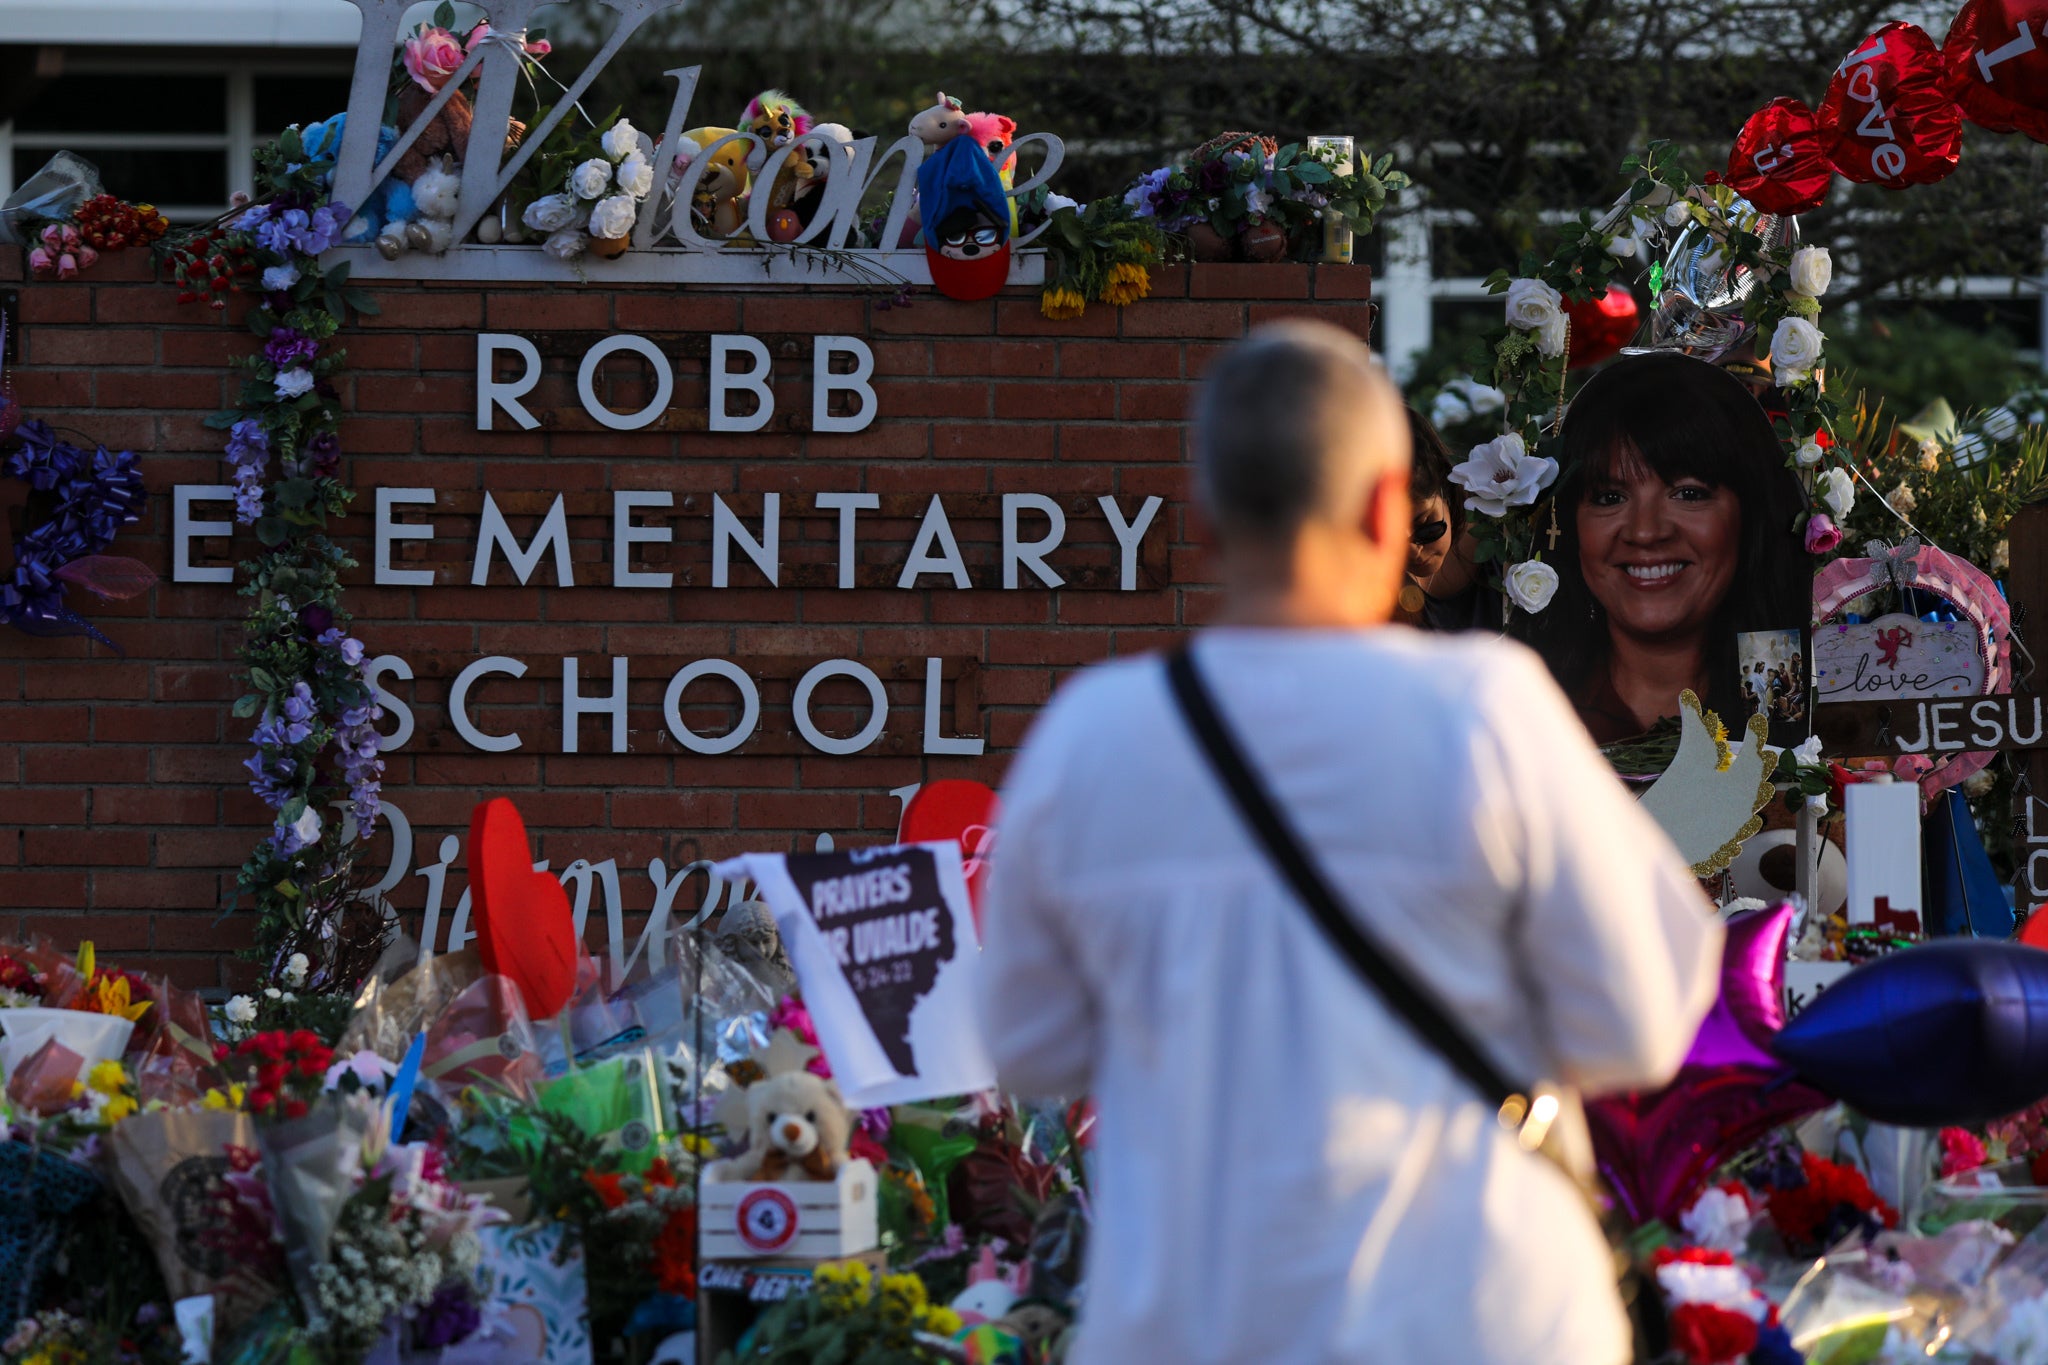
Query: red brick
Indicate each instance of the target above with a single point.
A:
(86, 847)
(48, 304)
(1119, 360)
(430, 310)
(1185, 320)
(1223, 281)
(1343, 282)
(97, 346)
(509, 311)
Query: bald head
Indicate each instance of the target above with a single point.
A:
(1296, 424)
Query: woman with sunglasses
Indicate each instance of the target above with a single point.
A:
(1439, 592)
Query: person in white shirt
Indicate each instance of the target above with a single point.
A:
(1284, 1172)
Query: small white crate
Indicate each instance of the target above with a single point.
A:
(749, 1220)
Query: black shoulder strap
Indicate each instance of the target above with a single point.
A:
(1396, 986)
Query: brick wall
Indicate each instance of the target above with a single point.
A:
(123, 804)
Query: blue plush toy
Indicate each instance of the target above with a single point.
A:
(390, 206)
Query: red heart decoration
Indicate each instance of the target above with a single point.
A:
(1777, 162)
(1997, 56)
(524, 929)
(1600, 327)
(1889, 118)
(958, 811)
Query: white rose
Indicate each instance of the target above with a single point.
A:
(1795, 350)
(613, 217)
(1677, 214)
(1502, 474)
(1054, 202)
(1481, 398)
(1551, 337)
(1531, 584)
(1621, 248)
(591, 179)
(295, 968)
(1718, 1220)
(619, 140)
(566, 245)
(1808, 753)
(293, 383)
(307, 826)
(278, 278)
(1902, 500)
(1812, 271)
(636, 175)
(1838, 491)
(1448, 409)
(550, 213)
(1533, 305)
(240, 1010)
(1809, 454)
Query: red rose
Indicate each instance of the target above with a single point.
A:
(1711, 1336)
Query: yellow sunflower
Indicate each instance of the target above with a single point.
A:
(1060, 305)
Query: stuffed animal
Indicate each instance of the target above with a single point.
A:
(811, 165)
(382, 217)
(991, 1291)
(994, 133)
(941, 123)
(719, 201)
(777, 120)
(798, 1128)
(436, 194)
(443, 142)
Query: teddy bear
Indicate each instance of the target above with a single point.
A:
(436, 195)
(719, 201)
(383, 216)
(941, 123)
(798, 1128)
(443, 143)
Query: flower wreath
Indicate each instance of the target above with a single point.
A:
(1726, 253)
(77, 501)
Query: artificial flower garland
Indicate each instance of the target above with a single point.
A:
(315, 741)
(1505, 479)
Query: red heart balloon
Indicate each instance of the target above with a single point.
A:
(1997, 56)
(1889, 118)
(1600, 327)
(524, 929)
(960, 811)
(1777, 162)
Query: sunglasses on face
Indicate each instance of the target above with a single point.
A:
(1428, 532)
(980, 236)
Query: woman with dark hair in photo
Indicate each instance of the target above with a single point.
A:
(1676, 519)
(1442, 589)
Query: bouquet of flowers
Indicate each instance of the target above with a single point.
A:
(848, 1315)
(1243, 194)
(603, 177)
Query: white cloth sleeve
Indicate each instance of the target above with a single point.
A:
(1037, 1015)
(1618, 944)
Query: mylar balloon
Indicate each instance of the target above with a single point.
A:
(524, 928)
(1997, 54)
(1777, 162)
(958, 810)
(1953, 1033)
(1889, 118)
(1658, 1148)
(1600, 327)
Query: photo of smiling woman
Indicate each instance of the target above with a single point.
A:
(1676, 516)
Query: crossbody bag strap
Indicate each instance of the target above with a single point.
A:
(1396, 986)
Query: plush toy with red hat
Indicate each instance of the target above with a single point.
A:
(966, 218)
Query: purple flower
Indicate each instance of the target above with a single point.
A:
(315, 619)
(252, 220)
(299, 705)
(288, 347)
(1213, 177)
(447, 1318)
(275, 236)
(325, 451)
(248, 503)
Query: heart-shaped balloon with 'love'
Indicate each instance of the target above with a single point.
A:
(956, 810)
(1997, 57)
(1889, 118)
(524, 929)
(1777, 162)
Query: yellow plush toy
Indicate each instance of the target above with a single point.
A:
(720, 200)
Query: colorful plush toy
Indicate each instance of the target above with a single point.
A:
(777, 120)
(719, 201)
(381, 218)
(798, 1128)
(966, 217)
(994, 134)
(941, 123)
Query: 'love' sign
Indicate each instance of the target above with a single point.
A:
(1889, 118)
(1897, 656)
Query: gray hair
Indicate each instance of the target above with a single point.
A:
(1277, 430)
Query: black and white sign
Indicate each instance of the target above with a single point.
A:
(883, 944)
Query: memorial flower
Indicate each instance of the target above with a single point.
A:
(431, 57)
(1501, 474)
(1795, 350)
(1812, 271)
(1535, 307)
(1530, 585)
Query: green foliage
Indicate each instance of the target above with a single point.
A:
(1908, 361)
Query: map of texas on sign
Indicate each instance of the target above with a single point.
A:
(884, 948)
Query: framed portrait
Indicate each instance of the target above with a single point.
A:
(1774, 681)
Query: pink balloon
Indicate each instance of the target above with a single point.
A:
(1657, 1149)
